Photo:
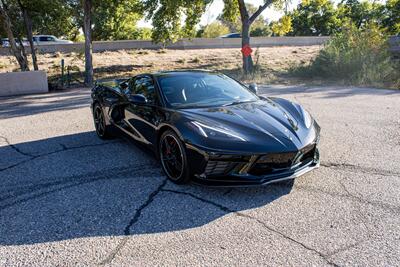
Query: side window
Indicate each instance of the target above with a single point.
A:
(46, 39)
(145, 86)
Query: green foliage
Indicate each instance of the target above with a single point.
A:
(166, 17)
(321, 17)
(283, 26)
(360, 13)
(391, 17)
(356, 56)
(314, 17)
(260, 30)
(53, 17)
(144, 33)
(214, 29)
(231, 17)
(116, 20)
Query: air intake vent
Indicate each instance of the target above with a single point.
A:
(219, 167)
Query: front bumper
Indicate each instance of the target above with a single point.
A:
(236, 170)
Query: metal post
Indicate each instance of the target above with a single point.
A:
(68, 77)
(62, 72)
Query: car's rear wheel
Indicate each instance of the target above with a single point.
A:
(102, 129)
(173, 158)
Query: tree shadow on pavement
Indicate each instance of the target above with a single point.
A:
(325, 91)
(78, 186)
(18, 106)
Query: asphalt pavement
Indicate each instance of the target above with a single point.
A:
(68, 198)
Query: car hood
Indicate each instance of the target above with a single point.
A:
(271, 124)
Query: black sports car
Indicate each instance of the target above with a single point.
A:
(209, 128)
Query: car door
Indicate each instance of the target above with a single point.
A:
(143, 117)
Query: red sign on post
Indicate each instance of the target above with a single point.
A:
(246, 50)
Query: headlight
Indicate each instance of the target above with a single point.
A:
(214, 132)
(307, 118)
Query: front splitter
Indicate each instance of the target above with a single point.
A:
(254, 181)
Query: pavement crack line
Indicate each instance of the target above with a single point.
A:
(15, 192)
(133, 221)
(16, 148)
(379, 204)
(357, 208)
(70, 184)
(64, 148)
(241, 214)
(358, 169)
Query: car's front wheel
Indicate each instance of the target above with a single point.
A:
(102, 129)
(173, 158)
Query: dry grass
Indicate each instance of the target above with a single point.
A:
(273, 62)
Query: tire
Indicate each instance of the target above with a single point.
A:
(102, 129)
(172, 155)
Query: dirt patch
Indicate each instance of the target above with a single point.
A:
(273, 61)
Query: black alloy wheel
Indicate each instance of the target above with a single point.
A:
(102, 129)
(173, 158)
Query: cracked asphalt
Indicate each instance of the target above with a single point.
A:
(68, 198)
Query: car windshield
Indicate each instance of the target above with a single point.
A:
(188, 90)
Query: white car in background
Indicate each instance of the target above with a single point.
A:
(48, 39)
(38, 40)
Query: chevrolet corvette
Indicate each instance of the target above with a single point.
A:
(208, 128)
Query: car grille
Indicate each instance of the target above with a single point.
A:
(278, 162)
(219, 167)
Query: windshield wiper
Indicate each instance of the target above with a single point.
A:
(237, 102)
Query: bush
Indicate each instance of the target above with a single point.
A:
(260, 31)
(214, 29)
(358, 57)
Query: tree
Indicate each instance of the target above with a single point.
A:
(247, 21)
(17, 50)
(231, 18)
(39, 16)
(166, 16)
(28, 28)
(214, 29)
(391, 17)
(314, 17)
(360, 13)
(116, 20)
(87, 29)
(55, 17)
(283, 26)
(259, 30)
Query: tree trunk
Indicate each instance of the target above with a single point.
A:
(15, 50)
(246, 23)
(28, 28)
(22, 47)
(247, 61)
(244, 16)
(87, 27)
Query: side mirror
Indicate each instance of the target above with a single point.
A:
(137, 99)
(253, 87)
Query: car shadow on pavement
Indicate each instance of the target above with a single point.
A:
(78, 186)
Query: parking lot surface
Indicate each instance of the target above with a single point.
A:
(68, 198)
